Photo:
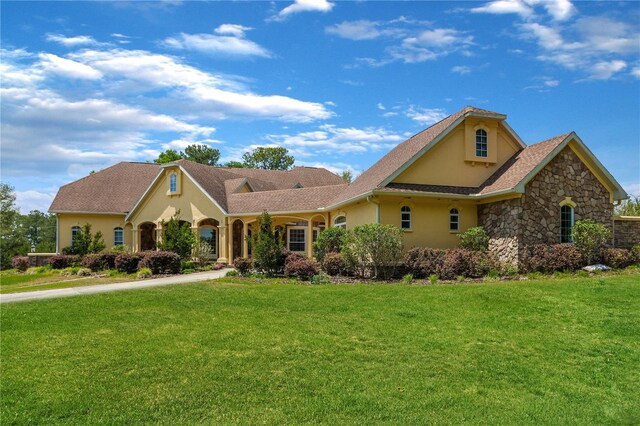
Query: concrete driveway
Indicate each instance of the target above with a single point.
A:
(105, 288)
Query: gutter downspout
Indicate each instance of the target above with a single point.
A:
(57, 234)
(377, 203)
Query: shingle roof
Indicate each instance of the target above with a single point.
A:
(284, 200)
(112, 190)
(439, 189)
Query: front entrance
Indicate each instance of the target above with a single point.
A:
(147, 236)
(237, 239)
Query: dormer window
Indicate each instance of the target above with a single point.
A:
(481, 143)
(173, 183)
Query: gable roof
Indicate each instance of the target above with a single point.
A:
(283, 200)
(111, 190)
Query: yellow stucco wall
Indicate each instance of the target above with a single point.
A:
(357, 213)
(99, 222)
(448, 162)
(430, 220)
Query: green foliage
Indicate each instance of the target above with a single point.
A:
(202, 154)
(12, 242)
(120, 248)
(234, 164)
(347, 176)
(303, 269)
(407, 279)
(268, 158)
(177, 237)
(144, 273)
(373, 250)
(329, 241)
(321, 278)
(168, 156)
(590, 237)
(629, 207)
(433, 279)
(85, 242)
(201, 252)
(475, 239)
(266, 247)
(39, 229)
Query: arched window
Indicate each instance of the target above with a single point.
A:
(118, 236)
(340, 222)
(405, 217)
(481, 143)
(566, 224)
(454, 220)
(209, 235)
(173, 183)
(75, 230)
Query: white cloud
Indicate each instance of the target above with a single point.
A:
(357, 30)
(425, 116)
(76, 41)
(559, 10)
(34, 200)
(232, 45)
(605, 69)
(632, 189)
(635, 72)
(67, 68)
(381, 106)
(501, 7)
(303, 6)
(461, 69)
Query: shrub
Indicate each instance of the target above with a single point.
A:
(144, 273)
(482, 263)
(321, 278)
(433, 279)
(177, 237)
(120, 248)
(456, 262)
(21, 263)
(69, 271)
(85, 242)
(617, 258)
(329, 241)
(161, 262)
(590, 237)
(266, 248)
(217, 266)
(422, 262)
(293, 257)
(635, 254)
(373, 249)
(187, 265)
(99, 261)
(84, 272)
(63, 261)
(552, 258)
(302, 269)
(407, 279)
(242, 264)
(201, 252)
(127, 263)
(333, 264)
(474, 239)
(231, 273)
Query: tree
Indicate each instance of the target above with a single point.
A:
(12, 241)
(168, 156)
(39, 229)
(202, 154)
(266, 247)
(234, 164)
(590, 237)
(268, 158)
(630, 207)
(85, 242)
(329, 241)
(177, 237)
(347, 176)
(373, 249)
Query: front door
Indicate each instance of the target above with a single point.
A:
(237, 238)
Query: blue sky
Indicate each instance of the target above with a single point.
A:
(89, 84)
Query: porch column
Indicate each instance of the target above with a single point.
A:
(230, 242)
(309, 239)
(158, 232)
(135, 240)
(222, 244)
(245, 234)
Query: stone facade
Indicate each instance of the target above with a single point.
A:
(626, 232)
(535, 217)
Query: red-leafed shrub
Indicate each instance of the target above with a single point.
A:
(63, 261)
(422, 262)
(21, 263)
(333, 264)
(617, 258)
(99, 261)
(242, 264)
(161, 262)
(552, 258)
(455, 263)
(302, 269)
(128, 263)
(293, 257)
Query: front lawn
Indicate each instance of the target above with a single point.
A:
(232, 351)
(47, 279)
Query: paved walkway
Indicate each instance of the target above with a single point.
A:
(105, 288)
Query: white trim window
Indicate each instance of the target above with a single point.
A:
(481, 143)
(173, 182)
(297, 239)
(566, 224)
(405, 217)
(454, 220)
(340, 222)
(118, 236)
(75, 230)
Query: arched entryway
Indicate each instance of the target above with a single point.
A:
(208, 231)
(147, 236)
(238, 238)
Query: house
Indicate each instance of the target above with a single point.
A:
(467, 170)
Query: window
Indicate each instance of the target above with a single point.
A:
(75, 230)
(297, 239)
(173, 183)
(454, 220)
(566, 224)
(118, 236)
(405, 217)
(340, 221)
(481, 143)
(209, 236)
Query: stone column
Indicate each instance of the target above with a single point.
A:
(245, 234)
(309, 239)
(135, 239)
(222, 245)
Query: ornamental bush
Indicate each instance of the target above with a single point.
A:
(127, 263)
(474, 239)
(329, 241)
(266, 247)
(590, 238)
(160, 262)
(292, 257)
(552, 258)
(635, 254)
(177, 237)
(422, 262)
(302, 269)
(333, 264)
(617, 258)
(373, 250)
(21, 263)
(63, 261)
(99, 261)
(456, 262)
(242, 264)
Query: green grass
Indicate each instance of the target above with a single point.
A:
(563, 351)
(17, 282)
